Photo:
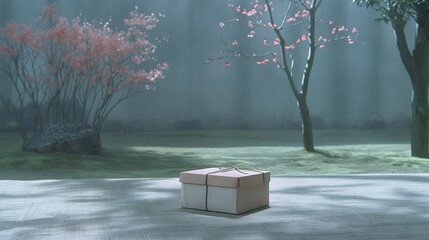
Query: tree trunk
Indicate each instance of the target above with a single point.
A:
(307, 128)
(419, 132)
(417, 66)
(420, 120)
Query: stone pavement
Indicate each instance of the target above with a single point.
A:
(313, 207)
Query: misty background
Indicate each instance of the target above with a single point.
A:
(360, 86)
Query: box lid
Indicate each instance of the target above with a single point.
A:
(222, 177)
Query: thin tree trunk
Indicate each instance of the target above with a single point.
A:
(307, 128)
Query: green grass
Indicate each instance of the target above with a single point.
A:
(166, 154)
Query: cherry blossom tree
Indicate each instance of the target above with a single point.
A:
(76, 71)
(416, 62)
(284, 31)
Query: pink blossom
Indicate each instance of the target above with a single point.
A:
(163, 67)
(150, 87)
(265, 8)
(136, 60)
(250, 13)
(276, 42)
(265, 42)
(20, 33)
(303, 38)
(305, 13)
(235, 43)
(263, 62)
(238, 8)
(227, 65)
(93, 51)
(137, 19)
(290, 47)
(290, 20)
(342, 29)
(269, 25)
(322, 39)
(251, 34)
(322, 46)
(250, 24)
(142, 76)
(354, 30)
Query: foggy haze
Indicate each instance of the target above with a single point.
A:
(350, 85)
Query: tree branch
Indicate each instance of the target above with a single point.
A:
(311, 51)
(283, 52)
(398, 26)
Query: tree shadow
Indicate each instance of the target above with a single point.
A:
(328, 154)
(328, 207)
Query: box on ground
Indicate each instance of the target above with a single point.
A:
(225, 190)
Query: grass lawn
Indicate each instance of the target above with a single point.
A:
(166, 154)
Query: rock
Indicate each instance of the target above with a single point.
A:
(76, 138)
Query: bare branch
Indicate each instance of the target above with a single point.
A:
(286, 16)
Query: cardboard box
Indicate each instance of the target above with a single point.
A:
(225, 190)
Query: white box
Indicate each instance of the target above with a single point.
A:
(225, 190)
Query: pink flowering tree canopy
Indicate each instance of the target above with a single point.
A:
(76, 71)
(281, 34)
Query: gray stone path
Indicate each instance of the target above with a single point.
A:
(326, 207)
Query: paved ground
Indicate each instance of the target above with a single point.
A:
(335, 207)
